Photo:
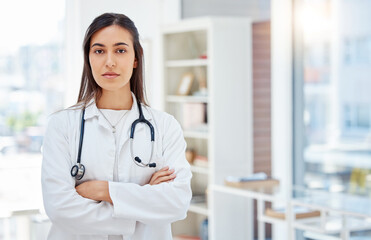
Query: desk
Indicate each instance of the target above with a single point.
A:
(348, 212)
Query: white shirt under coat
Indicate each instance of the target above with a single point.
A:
(140, 211)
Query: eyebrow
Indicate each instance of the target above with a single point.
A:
(115, 45)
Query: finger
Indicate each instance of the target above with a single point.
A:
(164, 179)
(161, 179)
(163, 173)
(164, 168)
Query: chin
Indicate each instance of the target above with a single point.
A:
(114, 87)
(113, 84)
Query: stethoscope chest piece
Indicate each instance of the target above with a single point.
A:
(78, 171)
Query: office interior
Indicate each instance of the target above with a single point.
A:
(277, 90)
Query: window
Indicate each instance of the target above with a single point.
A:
(356, 117)
(334, 64)
(32, 86)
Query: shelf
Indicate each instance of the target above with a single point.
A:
(187, 63)
(196, 134)
(187, 99)
(197, 169)
(200, 208)
(249, 193)
(333, 225)
(194, 47)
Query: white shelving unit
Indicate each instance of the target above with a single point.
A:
(216, 51)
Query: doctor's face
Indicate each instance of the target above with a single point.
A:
(112, 58)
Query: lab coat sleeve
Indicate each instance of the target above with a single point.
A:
(63, 205)
(162, 203)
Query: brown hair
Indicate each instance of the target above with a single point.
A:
(89, 89)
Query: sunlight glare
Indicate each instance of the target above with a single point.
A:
(24, 22)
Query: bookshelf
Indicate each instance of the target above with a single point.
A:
(207, 86)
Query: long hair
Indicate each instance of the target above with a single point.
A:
(89, 89)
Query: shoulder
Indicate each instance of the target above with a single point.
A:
(63, 118)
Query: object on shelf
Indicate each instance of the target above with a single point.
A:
(203, 55)
(185, 84)
(360, 181)
(254, 181)
(193, 115)
(200, 75)
(198, 198)
(300, 212)
(204, 230)
(190, 155)
(200, 161)
(186, 237)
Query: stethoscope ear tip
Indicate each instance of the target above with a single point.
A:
(138, 159)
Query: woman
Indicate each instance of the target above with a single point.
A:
(124, 188)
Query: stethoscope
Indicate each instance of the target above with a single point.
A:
(78, 170)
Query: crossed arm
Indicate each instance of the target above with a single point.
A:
(99, 191)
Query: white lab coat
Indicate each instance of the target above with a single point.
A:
(140, 211)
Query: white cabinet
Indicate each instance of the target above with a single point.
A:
(207, 86)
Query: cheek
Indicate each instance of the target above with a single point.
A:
(95, 65)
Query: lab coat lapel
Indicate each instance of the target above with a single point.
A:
(91, 111)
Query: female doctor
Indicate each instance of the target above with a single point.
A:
(104, 177)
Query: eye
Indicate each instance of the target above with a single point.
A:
(121, 50)
(98, 51)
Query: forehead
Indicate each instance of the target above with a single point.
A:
(111, 35)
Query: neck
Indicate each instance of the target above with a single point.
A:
(115, 100)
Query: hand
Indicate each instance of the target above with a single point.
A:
(94, 190)
(162, 175)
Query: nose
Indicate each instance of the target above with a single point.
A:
(110, 61)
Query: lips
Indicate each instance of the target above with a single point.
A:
(110, 75)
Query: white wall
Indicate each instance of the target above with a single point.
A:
(148, 16)
(257, 10)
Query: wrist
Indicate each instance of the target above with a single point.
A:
(104, 192)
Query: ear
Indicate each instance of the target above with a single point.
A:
(135, 63)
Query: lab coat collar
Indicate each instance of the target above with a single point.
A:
(92, 110)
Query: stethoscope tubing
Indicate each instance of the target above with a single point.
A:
(78, 170)
(81, 135)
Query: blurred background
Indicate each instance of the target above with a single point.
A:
(311, 68)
